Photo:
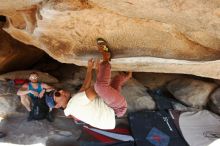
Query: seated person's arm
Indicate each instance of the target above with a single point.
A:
(46, 88)
(23, 90)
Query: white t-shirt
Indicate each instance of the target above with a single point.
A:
(95, 113)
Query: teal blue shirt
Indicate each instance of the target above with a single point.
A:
(38, 90)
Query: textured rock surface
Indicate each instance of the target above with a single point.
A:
(137, 96)
(9, 104)
(155, 80)
(9, 101)
(170, 36)
(214, 102)
(21, 132)
(190, 91)
(16, 55)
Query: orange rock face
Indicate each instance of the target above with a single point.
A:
(16, 55)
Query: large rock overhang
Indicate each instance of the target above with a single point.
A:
(145, 36)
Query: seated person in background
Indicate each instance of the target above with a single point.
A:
(29, 92)
(96, 105)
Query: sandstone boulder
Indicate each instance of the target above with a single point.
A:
(190, 91)
(137, 97)
(71, 78)
(16, 55)
(155, 80)
(21, 132)
(214, 103)
(9, 101)
(10, 104)
(145, 36)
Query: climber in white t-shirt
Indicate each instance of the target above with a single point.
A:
(99, 104)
